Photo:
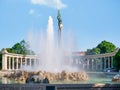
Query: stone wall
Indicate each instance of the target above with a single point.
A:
(59, 86)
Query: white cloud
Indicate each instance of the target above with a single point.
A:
(57, 4)
(31, 11)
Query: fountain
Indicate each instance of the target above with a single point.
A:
(52, 56)
(55, 63)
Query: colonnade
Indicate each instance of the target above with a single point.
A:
(97, 62)
(17, 61)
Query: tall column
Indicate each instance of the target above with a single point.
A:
(104, 62)
(13, 63)
(84, 63)
(79, 61)
(25, 61)
(16, 63)
(9, 63)
(87, 64)
(92, 64)
(30, 61)
(108, 62)
(111, 61)
(101, 64)
(96, 64)
(4, 62)
(21, 63)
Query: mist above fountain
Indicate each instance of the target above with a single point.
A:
(51, 55)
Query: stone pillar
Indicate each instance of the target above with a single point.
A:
(96, 64)
(92, 64)
(4, 62)
(104, 62)
(13, 63)
(9, 62)
(21, 63)
(101, 64)
(25, 61)
(111, 61)
(108, 62)
(87, 64)
(80, 63)
(30, 61)
(33, 62)
(4, 59)
(16, 63)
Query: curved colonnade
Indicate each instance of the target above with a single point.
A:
(97, 62)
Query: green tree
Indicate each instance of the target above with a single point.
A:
(106, 47)
(116, 60)
(17, 48)
(21, 48)
(89, 52)
(10, 50)
(96, 50)
(93, 51)
(103, 47)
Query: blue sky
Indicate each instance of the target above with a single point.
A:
(91, 21)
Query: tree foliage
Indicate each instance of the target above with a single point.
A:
(21, 48)
(103, 47)
(106, 47)
(93, 51)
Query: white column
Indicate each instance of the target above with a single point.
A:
(100, 59)
(4, 62)
(92, 64)
(9, 63)
(108, 62)
(13, 63)
(111, 62)
(30, 61)
(104, 62)
(80, 63)
(25, 61)
(96, 64)
(34, 60)
(20, 62)
(88, 64)
(16, 63)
